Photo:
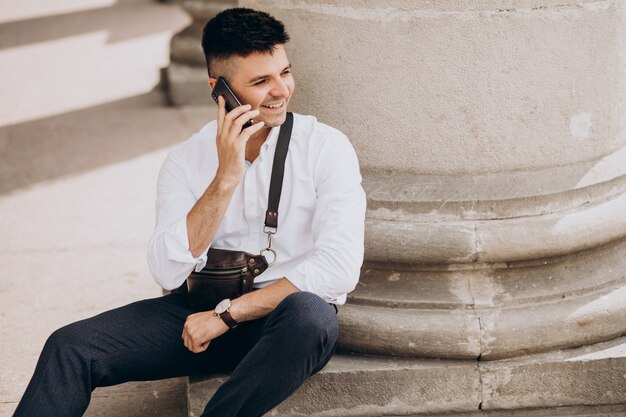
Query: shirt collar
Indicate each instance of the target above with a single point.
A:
(271, 140)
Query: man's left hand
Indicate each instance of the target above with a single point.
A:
(200, 329)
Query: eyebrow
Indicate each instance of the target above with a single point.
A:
(260, 77)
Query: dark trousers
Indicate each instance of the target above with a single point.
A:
(268, 358)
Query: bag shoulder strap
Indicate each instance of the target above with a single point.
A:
(278, 173)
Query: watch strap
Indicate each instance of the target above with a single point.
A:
(228, 319)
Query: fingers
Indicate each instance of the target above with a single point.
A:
(185, 336)
(236, 112)
(251, 130)
(229, 124)
(225, 119)
(199, 347)
(221, 113)
(194, 338)
(185, 339)
(193, 344)
(236, 125)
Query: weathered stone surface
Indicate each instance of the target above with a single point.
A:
(409, 242)
(85, 252)
(591, 376)
(204, 10)
(462, 87)
(164, 398)
(186, 47)
(554, 234)
(618, 410)
(413, 287)
(542, 327)
(422, 333)
(517, 308)
(493, 333)
(493, 195)
(422, 286)
(375, 386)
(188, 85)
(187, 75)
(370, 386)
(395, 237)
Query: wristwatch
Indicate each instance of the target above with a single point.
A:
(222, 310)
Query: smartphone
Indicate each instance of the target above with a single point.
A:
(223, 89)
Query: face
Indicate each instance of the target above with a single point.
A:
(262, 80)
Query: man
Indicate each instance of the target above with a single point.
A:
(212, 192)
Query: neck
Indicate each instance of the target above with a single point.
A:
(253, 146)
(261, 135)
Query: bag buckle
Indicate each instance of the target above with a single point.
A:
(269, 248)
(269, 230)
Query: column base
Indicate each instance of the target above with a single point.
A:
(588, 380)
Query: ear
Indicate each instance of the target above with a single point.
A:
(212, 82)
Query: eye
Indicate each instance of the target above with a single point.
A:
(260, 82)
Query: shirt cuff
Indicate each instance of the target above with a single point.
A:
(301, 277)
(177, 246)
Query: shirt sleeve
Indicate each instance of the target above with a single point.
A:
(332, 269)
(169, 258)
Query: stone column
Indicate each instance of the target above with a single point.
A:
(492, 140)
(187, 75)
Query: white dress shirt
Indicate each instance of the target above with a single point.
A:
(319, 242)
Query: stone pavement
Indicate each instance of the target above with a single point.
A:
(74, 245)
(78, 170)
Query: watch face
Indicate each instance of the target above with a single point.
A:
(222, 306)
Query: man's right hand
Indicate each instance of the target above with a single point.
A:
(205, 216)
(231, 141)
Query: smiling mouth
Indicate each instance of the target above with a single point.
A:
(276, 106)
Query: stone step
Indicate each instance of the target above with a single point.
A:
(361, 386)
(186, 47)
(369, 386)
(618, 410)
(187, 75)
(205, 10)
(188, 86)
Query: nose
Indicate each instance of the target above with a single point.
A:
(279, 88)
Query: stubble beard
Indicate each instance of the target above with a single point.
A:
(277, 120)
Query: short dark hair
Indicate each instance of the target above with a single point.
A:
(241, 31)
